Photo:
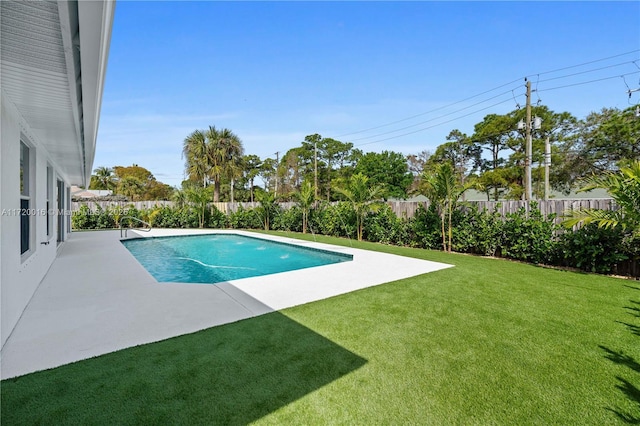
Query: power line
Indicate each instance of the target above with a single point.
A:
(435, 125)
(436, 118)
(590, 81)
(491, 90)
(587, 71)
(429, 112)
(590, 62)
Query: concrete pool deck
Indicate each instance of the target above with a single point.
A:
(96, 298)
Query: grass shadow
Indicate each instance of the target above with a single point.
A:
(232, 374)
(631, 392)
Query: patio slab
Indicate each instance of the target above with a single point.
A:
(96, 298)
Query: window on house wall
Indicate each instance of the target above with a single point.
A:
(68, 209)
(25, 198)
(49, 201)
(60, 206)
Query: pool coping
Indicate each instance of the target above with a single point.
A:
(96, 298)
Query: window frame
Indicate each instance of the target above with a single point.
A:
(27, 195)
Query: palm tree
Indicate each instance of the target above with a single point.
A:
(624, 188)
(224, 153)
(443, 190)
(252, 164)
(194, 151)
(199, 197)
(105, 177)
(362, 196)
(305, 198)
(267, 207)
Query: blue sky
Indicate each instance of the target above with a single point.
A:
(274, 72)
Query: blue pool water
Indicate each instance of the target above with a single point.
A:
(222, 257)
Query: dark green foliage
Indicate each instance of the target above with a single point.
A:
(425, 228)
(217, 219)
(592, 248)
(245, 219)
(477, 231)
(337, 220)
(385, 227)
(288, 220)
(528, 236)
(82, 218)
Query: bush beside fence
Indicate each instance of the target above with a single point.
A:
(511, 230)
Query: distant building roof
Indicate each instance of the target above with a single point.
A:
(78, 192)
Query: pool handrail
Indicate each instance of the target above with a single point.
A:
(136, 219)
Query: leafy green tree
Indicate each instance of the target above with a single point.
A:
(494, 134)
(387, 169)
(131, 187)
(461, 151)
(268, 170)
(251, 167)
(362, 193)
(603, 141)
(624, 187)
(332, 152)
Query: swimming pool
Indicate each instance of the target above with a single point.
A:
(215, 258)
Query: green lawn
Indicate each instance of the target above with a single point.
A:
(486, 342)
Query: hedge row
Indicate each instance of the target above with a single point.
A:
(524, 236)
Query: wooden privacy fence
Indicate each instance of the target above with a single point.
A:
(406, 209)
(558, 207)
(139, 205)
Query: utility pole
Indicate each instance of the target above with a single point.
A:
(547, 163)
(527, 159)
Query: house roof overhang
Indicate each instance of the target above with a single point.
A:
(53, 66)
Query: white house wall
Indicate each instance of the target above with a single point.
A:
(20, 276)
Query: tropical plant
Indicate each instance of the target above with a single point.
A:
(267, 208)
(194, 152)
(305, 198)
(362, 195)
(624, 188)
(443, 189)
(224, 153)
(199, 197)
(104, 178)
(212, 155)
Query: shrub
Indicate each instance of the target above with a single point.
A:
(245, 219)
(83, 218)
(425, 228)
(288, 220)
(216, 219)
(338, 220)
(592, 248)
(384, 226)
(528, 237)
(477, 232)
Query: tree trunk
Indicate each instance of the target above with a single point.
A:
(216, 191)
(444, 235)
